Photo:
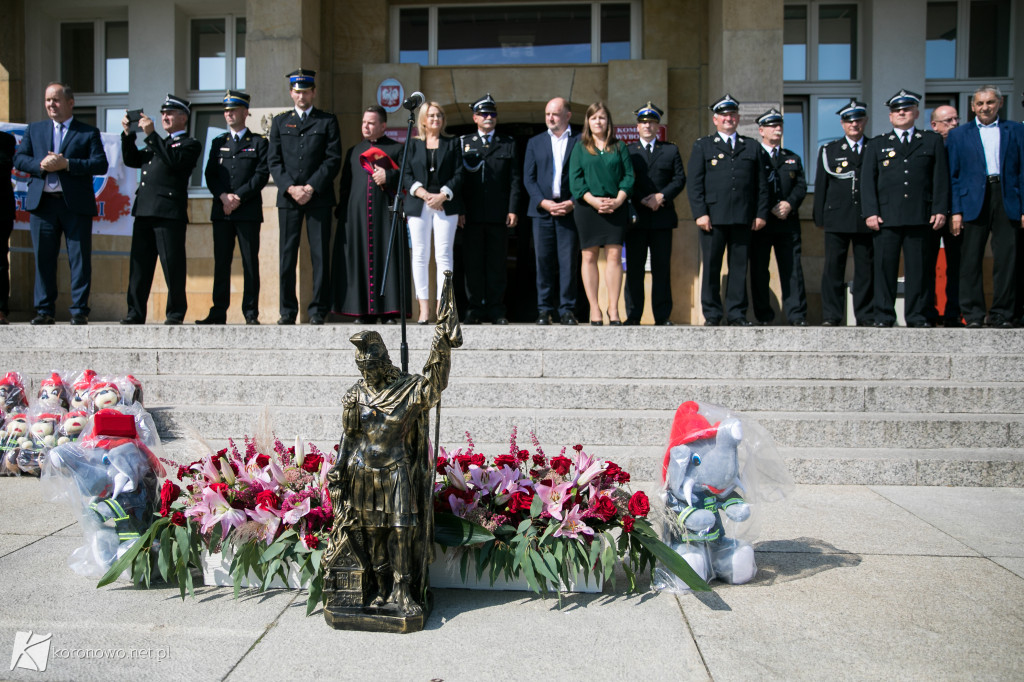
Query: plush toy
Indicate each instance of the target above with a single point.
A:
(53, 394)
(131, 389)
(80, 391)
(702, 481)
(103, 394)
(14, 431)
(12, 394)
(71, 426)
(109, 476)
(41, 436)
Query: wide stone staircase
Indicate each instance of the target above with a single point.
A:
(844, 405)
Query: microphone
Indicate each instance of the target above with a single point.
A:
(415, 99)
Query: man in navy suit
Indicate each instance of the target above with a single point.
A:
(6, 219)
(61, 156)
(985, 169)
(557, 246)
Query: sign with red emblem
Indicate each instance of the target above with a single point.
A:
(390, 95)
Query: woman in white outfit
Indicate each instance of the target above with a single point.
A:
(433, 203)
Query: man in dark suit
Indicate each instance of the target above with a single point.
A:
(728, 192)
(905, 196)
(61, 156)
(6, 220)
(660, 178)
(985, 168)
(160, 209)
(555, 242)
(491, 178)
(788, 187)
(305, 157)
(236, 172)
(837, 208)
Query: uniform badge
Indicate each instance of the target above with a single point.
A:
(844, 147)
(714, 162)
(721, 156)
(839, 169)
(886, 162)
(917, 136)
(466, 149)
(845, 164)
(225, 149)
(891, 154)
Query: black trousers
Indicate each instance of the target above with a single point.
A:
(152, 237)
(953, 246)
(557, 249)
(485, 250)
(47, 223)
(318, 232)
(913, 241)
(637, 243)
(991, 221)
(788, 250)
(833, 276)
(6, 227)
(224, 234)
(712, 250)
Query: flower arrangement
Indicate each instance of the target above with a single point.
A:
(271, 510)
(549, 519)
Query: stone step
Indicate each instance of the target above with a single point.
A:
(525, 337)
(624, 363)
(615, 427)
(985, 467)
(630, 394)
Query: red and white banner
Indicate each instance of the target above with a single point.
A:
(114, 191)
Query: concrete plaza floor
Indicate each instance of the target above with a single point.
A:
(855, 582)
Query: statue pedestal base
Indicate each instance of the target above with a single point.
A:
(368, 619)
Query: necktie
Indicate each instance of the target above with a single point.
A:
(775, 154)
(649, 147)
(302, 117)
(906, 139)
(52, 181)
(732, 143)
(237, 138)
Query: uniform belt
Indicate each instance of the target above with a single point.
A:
(992, 179)
(54, 195)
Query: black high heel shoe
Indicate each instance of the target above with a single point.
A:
(613, 323)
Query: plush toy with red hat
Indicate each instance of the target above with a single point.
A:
(71, 426)
(53, 393)
(109, 477)
(41, 436)
(80, 391)
(103, 394)
(15, 429)
(12, 394)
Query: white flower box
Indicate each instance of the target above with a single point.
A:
(217, 571)
(445, 572)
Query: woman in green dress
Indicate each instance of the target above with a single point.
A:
(601, 180)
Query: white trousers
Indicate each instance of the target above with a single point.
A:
(443, 226)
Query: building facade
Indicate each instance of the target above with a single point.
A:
(805, 56)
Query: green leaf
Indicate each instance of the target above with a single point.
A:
(272, 551)
(543, 568)
(126, 560)
(524, 526)
(452, 531)
(316, 587)
(536, 506)
(671, 560)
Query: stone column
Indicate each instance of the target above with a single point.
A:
(12, 62)
(745, 48)
(894, 56)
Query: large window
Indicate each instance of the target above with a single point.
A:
(561, 33)
(968, 44)
(217, 56)
(821, 72)
(94, 62)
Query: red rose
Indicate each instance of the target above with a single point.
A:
(612, 471)
(465, 461)
(168, 494)
(311, 541)
(520, 501)
(267, 500)
(262, 461)
(442, 462)
(183, 471)
(312, 463)
(639, 505)
(603, 508)
(523, 455)
(539, 460)
(509, 461)
(627, 524)
(178, 518)
(560, 465)
(221, 488)
(577, 447)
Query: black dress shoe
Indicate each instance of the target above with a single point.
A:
(422, 322)
(1005, 324)
(316, 319)
(975, 325)
(79, 319)
(252, 319)
(172, 321)
(212, 319)
(798, 323)
(630, 322)
(714, 322)
(881, 325)
(741, 322)
(664, 323)
(471, 318)
(544, 319)
(365, 319)
(286, 320)
(391, 320)
(763, 323)
(131, 319)
(830, 323)
(952, 323)
(568, 319)
(42, 318)
(920, 325)
(615, 323)
(500, 320)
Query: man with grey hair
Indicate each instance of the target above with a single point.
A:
(985, 168)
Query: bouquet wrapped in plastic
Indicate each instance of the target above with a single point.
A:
(109, 478)
(719, 466)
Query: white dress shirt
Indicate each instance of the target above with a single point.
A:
(60, 131)
(990, 142)
(558, 146)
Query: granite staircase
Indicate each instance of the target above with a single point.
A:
(844, 405)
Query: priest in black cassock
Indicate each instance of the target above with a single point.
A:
(369, 179)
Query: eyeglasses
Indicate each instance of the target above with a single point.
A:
(487, 114)
(951, 120)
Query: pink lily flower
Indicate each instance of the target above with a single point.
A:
(292, 516)
(511, 482)
(554, 497)
(210, 470)
(573, 525)
(213, 508)
(483, 478)
(455, 475)
(268, 518)
(459, 507)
